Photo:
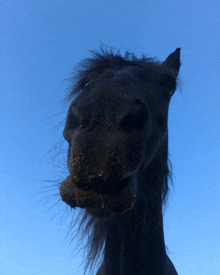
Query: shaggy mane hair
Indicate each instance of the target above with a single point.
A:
(89, 69)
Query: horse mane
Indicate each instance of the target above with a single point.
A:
(90, 68)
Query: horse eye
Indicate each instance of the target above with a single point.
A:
(88, 85)
(84, 122)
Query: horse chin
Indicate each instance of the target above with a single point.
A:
(100, 205)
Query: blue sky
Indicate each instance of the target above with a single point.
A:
(41, 42)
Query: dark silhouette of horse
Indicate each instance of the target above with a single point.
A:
(117, 132)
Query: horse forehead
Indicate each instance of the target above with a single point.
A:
(110, 92)
(113, 89)
(105, 100)
(127, 72)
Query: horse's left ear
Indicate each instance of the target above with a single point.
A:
(172, 63)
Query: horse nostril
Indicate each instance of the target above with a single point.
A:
(72, 121)
(134, 120)
(133, 115)
(84, 122)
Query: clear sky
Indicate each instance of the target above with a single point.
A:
(41, 42)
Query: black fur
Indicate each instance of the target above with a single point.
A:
(118, 159)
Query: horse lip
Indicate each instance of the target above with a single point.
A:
(117, 202)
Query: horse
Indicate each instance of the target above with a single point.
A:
(117, 131)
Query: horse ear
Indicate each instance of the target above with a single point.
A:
(172, 63)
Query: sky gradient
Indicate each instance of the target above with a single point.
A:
(41, 42)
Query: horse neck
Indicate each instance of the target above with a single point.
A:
(135, 240)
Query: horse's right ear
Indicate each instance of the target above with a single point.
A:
(172, 63)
